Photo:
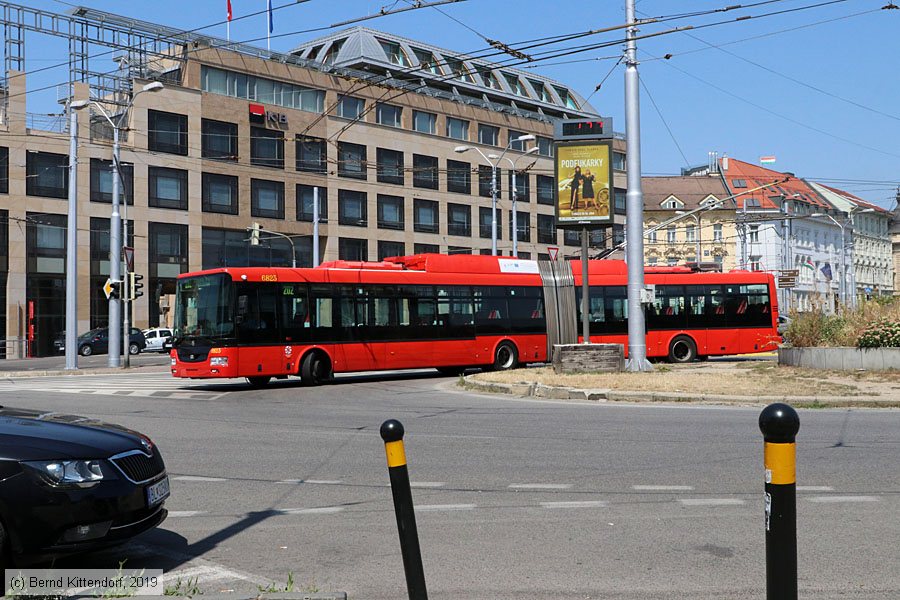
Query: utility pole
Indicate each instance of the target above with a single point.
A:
(72, 248)
(634, 206)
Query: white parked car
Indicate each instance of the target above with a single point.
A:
(155, 338)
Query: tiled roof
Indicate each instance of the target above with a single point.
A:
(855, 199)
(743, 176)
(690, 190)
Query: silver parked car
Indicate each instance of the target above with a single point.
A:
(156, 337)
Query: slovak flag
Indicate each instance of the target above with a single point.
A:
(228, 9)
(269, 8)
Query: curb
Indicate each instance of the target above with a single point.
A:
(550, 392)
(239, 596)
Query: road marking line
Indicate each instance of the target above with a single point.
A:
(575, 504)
(438, 507)
(815, 488)
(662, 488)
(197, 478)
(324, 510)
(541, 486)
(310, 481)
(185, 513)
(711, 501)
(827, 499)
(427, 484)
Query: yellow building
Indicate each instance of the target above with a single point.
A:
(708, 235)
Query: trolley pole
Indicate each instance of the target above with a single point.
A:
(392, 434)
(779, 424)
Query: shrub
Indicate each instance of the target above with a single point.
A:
(849, 328)
(885, 334)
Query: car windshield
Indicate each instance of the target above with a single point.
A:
(204, 307)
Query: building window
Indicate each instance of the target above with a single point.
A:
(425, 216)
(545, 185)
(390, 212)
(388, 114)
(457, 129)
(168, 245)
(515, 84)
(651, 261)
(620, 201)
(651, 235)
(489, 79)
(353, 249)
(352, 208)
(485, 180)
(754, 234)
(546, 229)
(459, 177)
(572, 237)
(424, 122)
(738, 183)
(102, 181)
(305, 203)
(386, 249)
(690, 233)
(672, 261)
(266, 148)
(220, 193)
(545, 146)
(168, 132)
(540, 91)
(458, 250)
(219, 140)
(351, 160)
(484, 222)
(670, 234)
(249, 87)
(459, 70)
(267, 199)
(427, 61)
(4, 170)
(168, 188)
(389, 166)
(515, 145)
(350, 108)
(523, 230)
(46, 174)
(755, 263)
(394, 53)
(618, 161)
(488, 135)
(331, 54)
(459, 219)
(566, 98)
(312, 155)
(425, 171)
(426, 249)
(522, 186)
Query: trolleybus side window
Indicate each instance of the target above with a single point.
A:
(748, 305)
(257, 313)
(667, 310)
(295, 317)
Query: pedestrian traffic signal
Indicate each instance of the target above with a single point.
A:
(254, 234)
(135, 285)
(113, 289)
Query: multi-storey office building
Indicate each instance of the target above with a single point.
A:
(241, 135)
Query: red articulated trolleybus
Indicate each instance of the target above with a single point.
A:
(449, 313)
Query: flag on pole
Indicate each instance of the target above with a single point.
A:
(228, 9)
(808, 263)
(826, 270)
(271, 24)
(766, 160)
(228, 23)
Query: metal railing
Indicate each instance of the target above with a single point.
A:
(45, 122)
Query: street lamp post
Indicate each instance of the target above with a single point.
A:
(515, 218)
(116, 342)
(493, 160)
(72, 248)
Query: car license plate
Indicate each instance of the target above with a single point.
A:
(158, 492)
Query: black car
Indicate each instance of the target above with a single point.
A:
(96, 341)
(69, 484)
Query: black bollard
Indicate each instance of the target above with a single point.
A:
(392, 434)
(779, 424)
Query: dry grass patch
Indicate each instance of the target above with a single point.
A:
(767, 381)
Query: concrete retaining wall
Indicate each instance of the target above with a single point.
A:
(841, 359)
(588, 358)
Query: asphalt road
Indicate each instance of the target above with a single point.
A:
(515, 499)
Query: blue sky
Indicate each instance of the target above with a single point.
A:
(816, 88)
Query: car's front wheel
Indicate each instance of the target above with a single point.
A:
(134, 348)
(258, 382)
(86, 350)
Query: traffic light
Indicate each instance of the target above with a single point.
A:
(135, 285)
(115, 289)
(254, 234)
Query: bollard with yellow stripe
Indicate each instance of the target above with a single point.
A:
(779, 424)
(392, 434)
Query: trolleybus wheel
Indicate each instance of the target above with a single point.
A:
(451, 371)
(258, 382)
(682, 349)
(315, 369)
(506, 357)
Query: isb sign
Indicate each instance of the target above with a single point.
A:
(261, 116)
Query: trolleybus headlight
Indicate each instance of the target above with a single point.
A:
(218, 361)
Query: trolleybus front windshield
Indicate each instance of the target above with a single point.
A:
(204, 307)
